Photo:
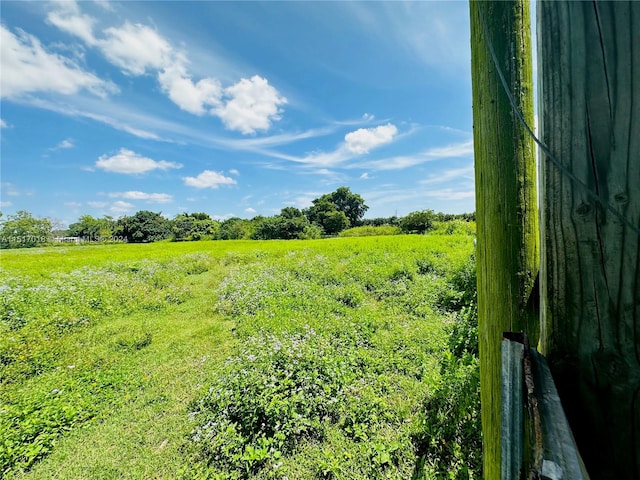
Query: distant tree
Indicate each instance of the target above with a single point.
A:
(145, 226)
(92, 229)
(23, 230)
(380, 221)
(325, 214)
(418, 222)
(290, 224)
(334, 222)
(347, 202)
(194, 226)
(235, 229)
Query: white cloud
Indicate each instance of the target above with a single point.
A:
(136, 48)
(97, 204)
(252, 106)
(235, 172)
(365, 176)
(222, 218)
(250, 210)
(247, 106)
(127, 161)
(209, 179)
(73, 204)
(3, 124)
(356, 143)
(5, 204)
(27, 67)
(189, 96)
(121, 207)
(148, 197)
(365, 139)
(67, 17)
(63, 145)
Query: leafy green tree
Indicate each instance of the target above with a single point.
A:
(418, 222)
(93, 229)
(325, 214)
(145, 226)
(290, 224)
(235, 229)
(380, 221)
(334, 222)
(351, 204)
(23, 230)
(194, 226)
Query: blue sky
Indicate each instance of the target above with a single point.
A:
(234, 108)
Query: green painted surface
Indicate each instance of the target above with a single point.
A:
(507, 250)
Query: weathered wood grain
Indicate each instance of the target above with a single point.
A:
(589, 67)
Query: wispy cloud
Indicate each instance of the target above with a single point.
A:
(129, 162)
(398, 162)
(11, 190)
(121, 207)
(67, 17)
(148, 197)
(355, 144)
(427, 197)
(458, 174)
(431, 32)
(122, 118)
(63, 145)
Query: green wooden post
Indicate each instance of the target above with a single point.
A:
(506, 206)
(589, 57)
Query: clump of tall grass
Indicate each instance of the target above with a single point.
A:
(371, 230)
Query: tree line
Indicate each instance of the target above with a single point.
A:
(329, 215)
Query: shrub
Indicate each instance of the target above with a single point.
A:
(370, 231)
(450, 438)
(454, 227)
(418, 222)
(277, 390)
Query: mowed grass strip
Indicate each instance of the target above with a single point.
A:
(381, 304)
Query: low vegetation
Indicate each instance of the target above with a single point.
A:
(349, 358)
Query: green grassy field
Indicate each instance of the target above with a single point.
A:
(347, 358)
